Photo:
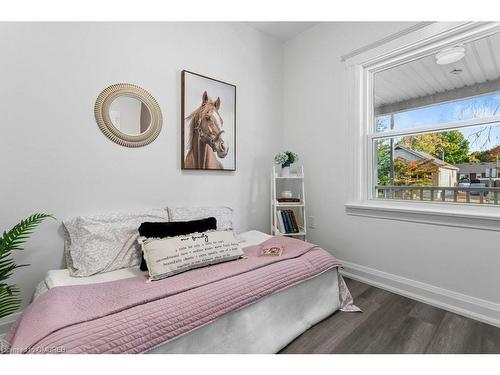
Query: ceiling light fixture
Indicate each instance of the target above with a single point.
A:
(450, 55)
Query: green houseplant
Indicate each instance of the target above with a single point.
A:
(10, 241)
(285, 158)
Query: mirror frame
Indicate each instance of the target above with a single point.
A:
(103, 104)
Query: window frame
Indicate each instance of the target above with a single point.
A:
(361, 69)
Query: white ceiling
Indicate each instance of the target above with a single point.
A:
(282, 30)
(423, 77)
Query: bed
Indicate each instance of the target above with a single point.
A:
(264, 326)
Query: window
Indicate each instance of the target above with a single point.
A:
(436, 126)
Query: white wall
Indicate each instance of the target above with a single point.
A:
(315, 117)
(54, 158)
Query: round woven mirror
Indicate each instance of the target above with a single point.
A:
(128, 115)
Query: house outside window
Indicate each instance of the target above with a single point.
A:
(436, 126)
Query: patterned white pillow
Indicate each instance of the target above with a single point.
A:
(224, 215)
(172, 255)
(103, 243)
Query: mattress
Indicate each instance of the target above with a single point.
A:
(263, 327)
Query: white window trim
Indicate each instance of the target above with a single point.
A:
(435, 128)
(361, 69)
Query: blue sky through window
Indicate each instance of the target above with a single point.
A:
(465, 109)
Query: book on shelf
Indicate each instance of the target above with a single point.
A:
(294, 221)
(288, 200)
(280, 223)
(286, 222)
(289, 221)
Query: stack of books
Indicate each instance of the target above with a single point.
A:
(286, 222)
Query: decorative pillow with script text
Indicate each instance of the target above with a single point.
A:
(169, 256)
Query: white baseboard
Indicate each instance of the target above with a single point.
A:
(7, 321)
(471, 307)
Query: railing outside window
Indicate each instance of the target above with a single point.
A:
(473, 195)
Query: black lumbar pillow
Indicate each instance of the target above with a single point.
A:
(174, 228)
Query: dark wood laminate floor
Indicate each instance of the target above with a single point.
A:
(394, 324)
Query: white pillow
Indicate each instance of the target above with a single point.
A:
(168, 256)
(223, 215)
(103, 243)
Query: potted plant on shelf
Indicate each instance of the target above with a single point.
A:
(285, 158)
(10, 241)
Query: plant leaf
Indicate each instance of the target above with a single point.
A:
(12, 240)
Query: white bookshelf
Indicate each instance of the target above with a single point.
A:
(295, 183)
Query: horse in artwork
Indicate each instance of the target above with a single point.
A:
(205, 136)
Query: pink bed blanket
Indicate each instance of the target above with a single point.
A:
(134, 316)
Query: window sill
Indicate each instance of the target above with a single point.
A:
(453, 215)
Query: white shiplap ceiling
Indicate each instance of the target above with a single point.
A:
(282, 30)
(423, 77)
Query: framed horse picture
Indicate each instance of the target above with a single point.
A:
(208, 123)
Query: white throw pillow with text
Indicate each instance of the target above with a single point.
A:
(169, 256)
